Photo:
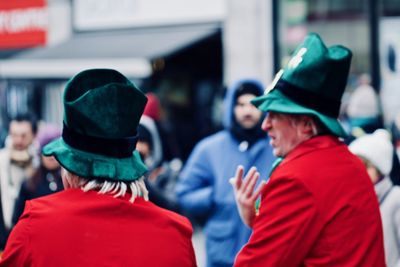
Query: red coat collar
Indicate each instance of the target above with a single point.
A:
(318, 142)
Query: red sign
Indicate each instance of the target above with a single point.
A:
(23, 23)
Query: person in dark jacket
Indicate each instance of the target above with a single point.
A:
(162, 174)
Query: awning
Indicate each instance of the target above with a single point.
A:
(129, 51)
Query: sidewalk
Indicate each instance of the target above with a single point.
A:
(199, 246)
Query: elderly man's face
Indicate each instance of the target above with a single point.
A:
(21, 134)
(246, 114)
(283, 131)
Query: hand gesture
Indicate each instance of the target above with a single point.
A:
(245, 195)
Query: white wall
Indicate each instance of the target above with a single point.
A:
(60, 25)
(247, 38)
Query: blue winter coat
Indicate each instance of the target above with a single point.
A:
(203, 187)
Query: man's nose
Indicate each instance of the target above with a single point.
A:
(266, 124)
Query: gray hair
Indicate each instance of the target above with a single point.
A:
(316, 126)
(116, 188)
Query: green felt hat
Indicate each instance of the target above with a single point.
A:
(102, 109)
(311, 83)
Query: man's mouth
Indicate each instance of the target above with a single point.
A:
(272, 140)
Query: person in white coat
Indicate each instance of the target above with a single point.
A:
(376, 151)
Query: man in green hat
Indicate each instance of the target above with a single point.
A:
(318, 207)
(103, 217)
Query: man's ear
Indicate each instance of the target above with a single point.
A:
(307, 125)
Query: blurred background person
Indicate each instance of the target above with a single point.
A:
(363, 110)
(395, 133)
(162, 175)
(376, 150)
(203, 188)
(170, 147)
(47, 178)
(19, 161)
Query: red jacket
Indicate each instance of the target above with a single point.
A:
(318, 209)
(74, 228)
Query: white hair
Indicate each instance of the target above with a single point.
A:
(316, 126)
(116, 188)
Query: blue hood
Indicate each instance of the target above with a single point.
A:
(229, 99)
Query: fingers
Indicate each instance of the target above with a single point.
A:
(245, 187)
(257, 192)
(249, 179)
(252, 183)
(236, 181)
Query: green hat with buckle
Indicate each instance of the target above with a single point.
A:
(312, 83)
(102, 109)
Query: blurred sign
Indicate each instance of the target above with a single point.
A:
(107, 14)
(296, 11)
(390, 67)
(295, 17)
(23, 23)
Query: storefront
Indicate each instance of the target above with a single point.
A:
(175, 54)
(186, 55)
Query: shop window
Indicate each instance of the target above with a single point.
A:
(337, 21)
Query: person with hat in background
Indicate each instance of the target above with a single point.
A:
(102, 218)
(203, 190)
(363, 110)
(375, 150)
(47, 178)
(318, 207)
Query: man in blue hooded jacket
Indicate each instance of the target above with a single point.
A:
(203, 188)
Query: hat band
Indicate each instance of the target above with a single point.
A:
(116, 148)
(327, 106)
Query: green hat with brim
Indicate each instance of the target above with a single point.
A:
(312, 83)
(278, 102)
(102, 109)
